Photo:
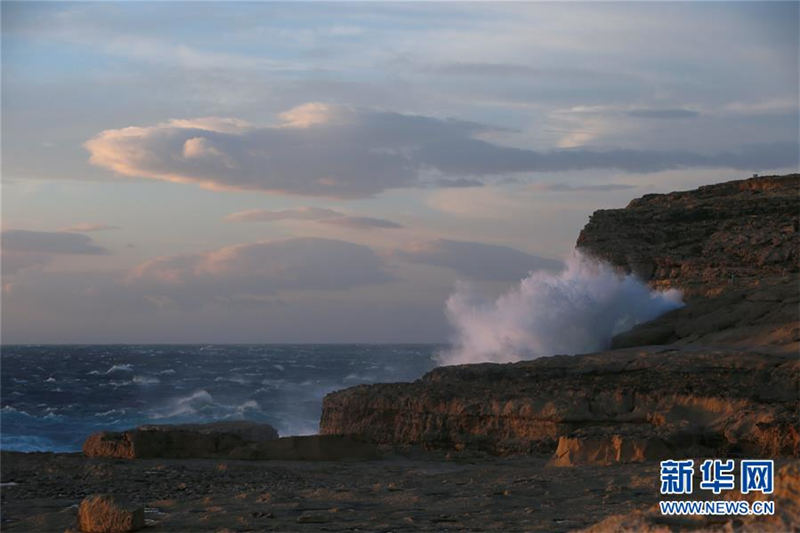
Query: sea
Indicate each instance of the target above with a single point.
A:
(53, 397)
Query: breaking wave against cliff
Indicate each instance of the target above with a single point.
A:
(577, 310)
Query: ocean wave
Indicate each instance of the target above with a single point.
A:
(120, 368)
(12, 409)
(185, 405)
(111, 412)
(201, 404)
(49, 415)
(233, 379)
(104, 389)
(358, 377)
(31, 443)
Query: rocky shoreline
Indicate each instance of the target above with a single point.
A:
(646, 403)
(555, 444)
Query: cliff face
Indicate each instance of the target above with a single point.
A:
(620, 406)
(719, 387)
(767, 317)
(706, 241)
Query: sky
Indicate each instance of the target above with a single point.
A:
(330, 172)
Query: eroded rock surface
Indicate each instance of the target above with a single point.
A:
(705, 241)
(720, 375)
(308, 448)
(624, 405)
(763, 317)
(217, 439)
(786, 496)
(247, 430)
(224, 440)
(101, 513)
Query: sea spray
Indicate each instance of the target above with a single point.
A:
(577, 310)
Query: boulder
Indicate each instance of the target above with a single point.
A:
(102, 513)
(217, 439)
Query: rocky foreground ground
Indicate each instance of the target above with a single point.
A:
(431, 491)
(556, 444)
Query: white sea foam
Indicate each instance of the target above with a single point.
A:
(120, 368)
(111, 412)
(575, 311)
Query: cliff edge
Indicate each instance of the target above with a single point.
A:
(727, 236)
(720, 376)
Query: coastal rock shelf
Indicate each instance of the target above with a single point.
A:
(223, 440)
(705, 241)
(617, 406)
(216, 439)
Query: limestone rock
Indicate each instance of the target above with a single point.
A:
(247, 430)
(178, 441)
(786, 518)
(101, 513)
(764, 317)
(690, 399)
(606, 449)
(734, 235)
(308, 448)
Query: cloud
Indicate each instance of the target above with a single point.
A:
(458, 183)
(297, 213)
(317, 214)
(344, 152)
(316, 149)
(663, 113)
(19, 240)
(566, 187)
(261, 268)
(84, 227)
(478, 260)
(362, 223)
(25, 248)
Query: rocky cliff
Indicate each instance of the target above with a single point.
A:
(718, 237)
(719, 377)
(766, 317)
(626, 405)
